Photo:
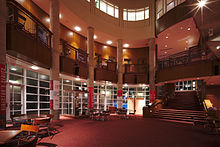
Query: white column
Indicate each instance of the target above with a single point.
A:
(3, 16)
(90, 51)
(54, 74)
(120, 72)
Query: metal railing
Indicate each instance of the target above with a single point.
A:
(25, 21)
(73, 53)
(194, 54)
(136, 68)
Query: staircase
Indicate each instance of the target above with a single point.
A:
(184, 106)
(180, 115)
(184, 101)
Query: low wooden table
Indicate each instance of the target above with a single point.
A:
(6, 135)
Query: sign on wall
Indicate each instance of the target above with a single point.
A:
(54, 94)
(90, 100)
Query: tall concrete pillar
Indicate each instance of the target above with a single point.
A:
(55, 67)
(3, 16)
(90, 51)
(152, 68)
(120, 72)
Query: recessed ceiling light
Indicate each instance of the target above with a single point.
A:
(126, 45)
(77, 79)
(34, 67)
(167, 37)
(77, 28)
(202, 3)
(105, 47)
(70, 33)
(188, 29)
(165, 45)
(218, 47)
(48, 20)
(60, 16)
(109, 42)
(13, 69)
(95, 37)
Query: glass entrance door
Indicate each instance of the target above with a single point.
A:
(16, 100)
(68, 106)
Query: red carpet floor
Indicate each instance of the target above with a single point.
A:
(129, 133)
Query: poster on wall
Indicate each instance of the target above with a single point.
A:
(90, 100)
(54, 94)
(2, 94)
(152, 96)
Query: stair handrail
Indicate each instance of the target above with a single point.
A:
(201, 101)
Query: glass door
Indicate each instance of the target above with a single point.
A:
(68, 106)
(16, 99)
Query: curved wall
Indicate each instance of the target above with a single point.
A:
(110, 25)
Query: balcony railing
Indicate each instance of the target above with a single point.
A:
(194, 54)
(106, 64)
(136, 68)
(73, 53)
(26, 22)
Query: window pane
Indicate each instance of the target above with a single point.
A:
(31, 97)
(140, 15)
(170, 6)
(32, 82)
(110, 10)
(103, 6)
(44, 84)
(16, 70)
(147, 13)
(125, 14)
(44, 77)
(31, 90)
(32, 74)
(15, 79)
(131, 16)
(116, 12)
(97, 3)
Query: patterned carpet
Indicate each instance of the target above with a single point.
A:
(136, 132)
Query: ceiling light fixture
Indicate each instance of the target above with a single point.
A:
(109, 42)
(189, 29)
(77, 28)
(34, 67)
(70, 33)
(48, 20)
(95, 37)
(167, 37)
(105, 47)
(218, 47)
(77, 79)
(60, 16)
(202, 3)
(126, 45)
(124, 50)
(13, 69)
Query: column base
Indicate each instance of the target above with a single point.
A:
(56, 114)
